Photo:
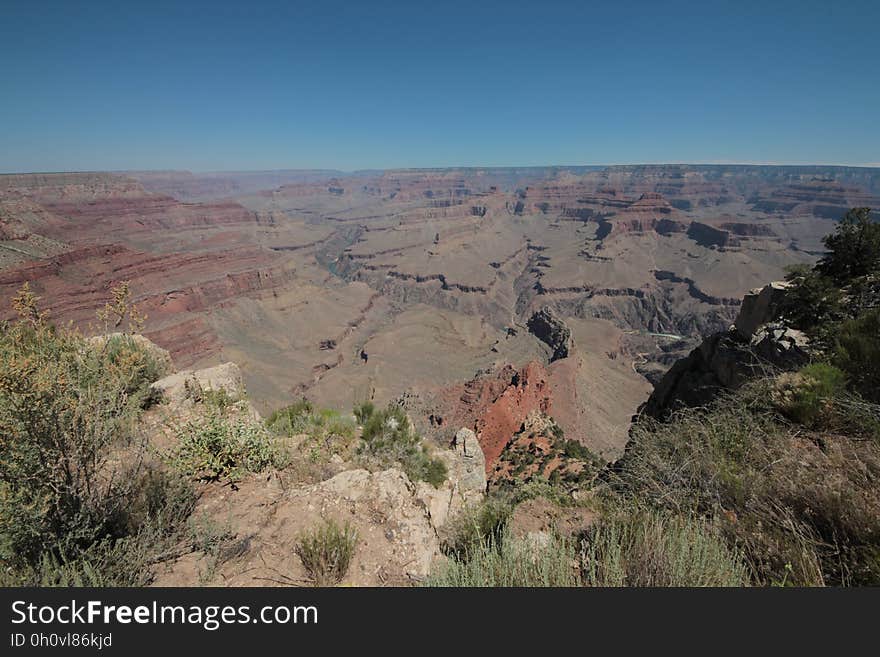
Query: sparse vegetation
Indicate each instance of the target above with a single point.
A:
(811, 393)
(324, 432)
(800, 504)
(857, 352)
(326, 552)
(219, 399)
(636, 549)
(478, 526)
(364, 411)
(388, 438)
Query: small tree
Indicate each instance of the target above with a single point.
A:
(854, 247)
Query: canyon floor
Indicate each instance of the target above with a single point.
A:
(422, 285)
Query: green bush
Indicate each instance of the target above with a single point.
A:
(219, 399)
(292, 419)
(858, 353)
(215, 446)
(134, 366)
(853, 248)
(326, 432)
(643, 548)
(388, 438)
(70, 459)
(364, 411)
(326, 552)
(477, 526)
(814, 303)
(811, 400)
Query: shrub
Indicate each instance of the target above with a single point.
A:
(364, 411)
(643, 548)
(477, 526)
(214, 446)
(132, 366)
(813, 303)
(853, 248)
(512, 562)
(326, 431)
(219, 399)
(326, 552)
(388, 438)
(811, 394)
(64, 407)
(858, 353)
(291, 419)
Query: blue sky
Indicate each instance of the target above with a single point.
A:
(262, 85)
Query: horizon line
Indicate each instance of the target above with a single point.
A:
(864, 165)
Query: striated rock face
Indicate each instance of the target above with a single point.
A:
(726, 360)
(709, 236)
(529, 391)
(549, 328)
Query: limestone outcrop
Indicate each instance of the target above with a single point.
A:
(465, 484)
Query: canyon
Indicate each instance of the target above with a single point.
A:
(473, 297)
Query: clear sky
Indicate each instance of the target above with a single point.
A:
(369, 84)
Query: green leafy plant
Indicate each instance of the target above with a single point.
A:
(364, 411)
(857, 353)
(214, 446)
(853, 248)
(71, 461)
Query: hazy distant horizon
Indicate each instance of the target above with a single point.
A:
(332, 170)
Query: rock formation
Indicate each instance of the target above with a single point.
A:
(465, 485)
(724, 361)
(549, 328)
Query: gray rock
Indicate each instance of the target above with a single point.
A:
(465, 484)
(759, 306)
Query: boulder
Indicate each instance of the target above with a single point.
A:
(756, 345)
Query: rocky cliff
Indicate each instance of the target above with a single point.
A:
(755, 344)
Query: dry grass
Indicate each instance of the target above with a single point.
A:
(803, 505)
(645, 548)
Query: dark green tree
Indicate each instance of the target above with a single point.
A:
(853, 248)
